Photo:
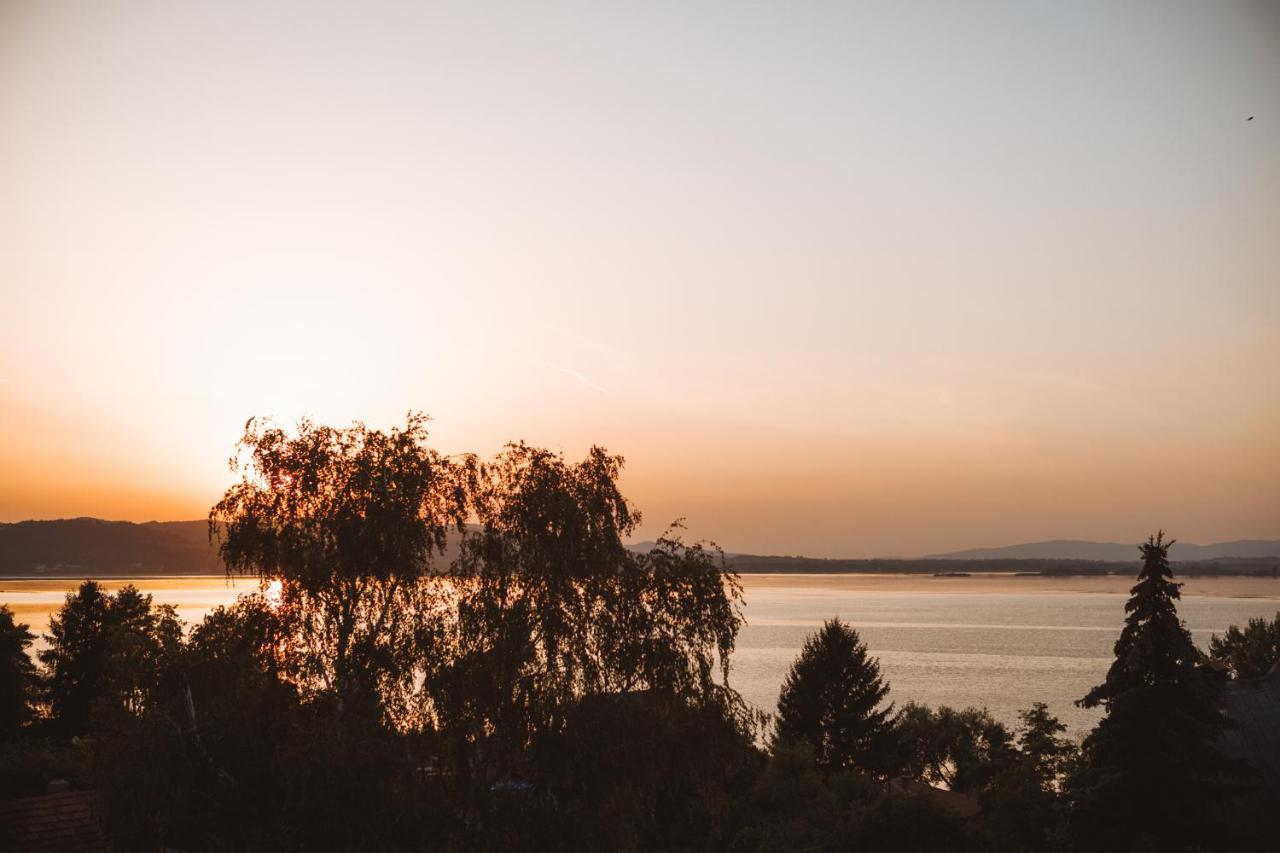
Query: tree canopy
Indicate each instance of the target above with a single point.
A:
(348, 522)
(1250, 652)
(959, 749)
(489, 611)
(547, 606)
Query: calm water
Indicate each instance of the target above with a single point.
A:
(1009, 643)
(997, 642)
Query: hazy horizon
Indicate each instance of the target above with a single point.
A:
(887, 279)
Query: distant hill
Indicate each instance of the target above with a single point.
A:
(81, 547)
(1075, 549)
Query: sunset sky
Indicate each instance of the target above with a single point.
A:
(837, 279)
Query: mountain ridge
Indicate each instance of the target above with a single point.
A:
(1081, 549)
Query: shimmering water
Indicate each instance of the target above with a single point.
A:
(990, 641)
(1009, 643)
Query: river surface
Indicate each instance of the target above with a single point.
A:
(991, 641)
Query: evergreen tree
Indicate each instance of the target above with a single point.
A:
(1042, 746)
(831, 700)
(105, 653)
(76, 659)
(1152, 775)
(17, 674)
(1020, 804)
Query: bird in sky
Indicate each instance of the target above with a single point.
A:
(1250, 118)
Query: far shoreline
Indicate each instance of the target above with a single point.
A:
(1009, 583)
(988, 583)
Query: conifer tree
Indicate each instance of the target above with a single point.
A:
(831, 700)
(76, 660)
(1153, 776)
(105, 653)
(17, 674)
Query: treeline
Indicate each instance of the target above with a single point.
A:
(1221, 567)
(548, 689)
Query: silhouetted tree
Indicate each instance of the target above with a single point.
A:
(105, 654)
(551, 607)
(144, 638)
(1250, 653)
(229, 755)
(1021, 802)
(348, 521)
(1152, 775)
(962, 750)
(530, 664)
(1042, 745)
(18, 681)
(76, 660)
(832, 699)
(249, 731)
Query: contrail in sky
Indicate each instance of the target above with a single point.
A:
(568, 371)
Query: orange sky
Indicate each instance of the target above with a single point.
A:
(836, 281)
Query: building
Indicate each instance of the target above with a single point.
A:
(1254, 706)
(62, 822)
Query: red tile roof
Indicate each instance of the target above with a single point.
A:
(1254, 706)
(69, 822)
(963, 806)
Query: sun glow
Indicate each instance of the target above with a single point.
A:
(274, 593)
(891, 324)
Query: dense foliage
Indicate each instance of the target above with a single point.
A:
(961, 750)
(107, 654)
(462, 685)
(347, 521)
(1250, 652)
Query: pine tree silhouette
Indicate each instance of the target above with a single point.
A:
(831, 700)
(1153, 777)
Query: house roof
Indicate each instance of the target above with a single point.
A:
(68, 822)
(960, 805)
(1254, 706)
